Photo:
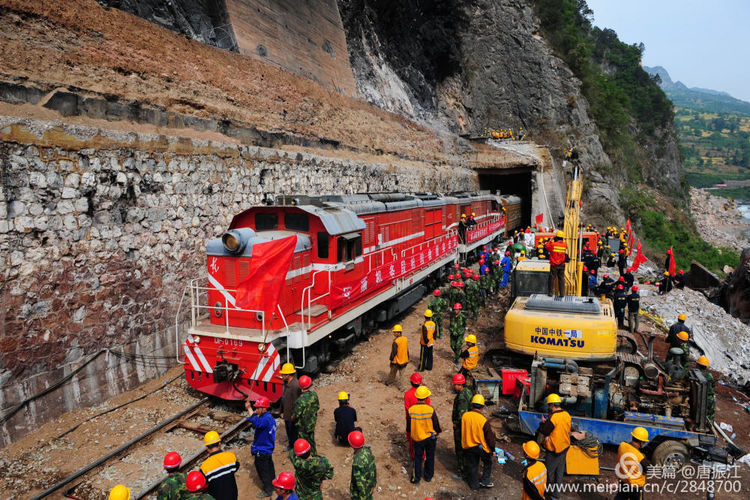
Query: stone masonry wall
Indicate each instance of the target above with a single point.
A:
(101, 230)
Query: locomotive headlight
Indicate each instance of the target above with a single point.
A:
(231, 242)
(261, 347)
(196, 339)
(217, 309)
(235, 240)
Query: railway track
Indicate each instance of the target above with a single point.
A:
(197, 419)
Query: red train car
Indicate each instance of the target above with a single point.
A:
(297, 279)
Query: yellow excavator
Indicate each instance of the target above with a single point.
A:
(569, 327)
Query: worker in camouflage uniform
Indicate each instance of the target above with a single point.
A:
(677, 364)
(461, 404)
(173, 487)
(484, 287)
(472, 298)
(196, 487)
(438, 306)
(309, 470)
(453, 292)
(703, 363)
(457, 328)
(364, 473)
(305, 413)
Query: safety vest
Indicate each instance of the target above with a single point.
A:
(471, 362)
(559, 439)
(630, 467)
(429, 326)
(537, 474)
(556, 251)
(420, 416)
(402, 351)
(472, 433)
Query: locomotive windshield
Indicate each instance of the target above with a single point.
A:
(266, 221)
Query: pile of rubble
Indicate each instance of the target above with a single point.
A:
(719, 222)
(725, 340)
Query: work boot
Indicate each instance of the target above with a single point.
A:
(488, 484)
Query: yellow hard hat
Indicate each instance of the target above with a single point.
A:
(553, 399)
(422, 392)
(682, 317)
(471, 338)
(211, 437)
(666, 273)
(531, 448)
(119, 492)
(683, 336)
(559, 234)
(703, 361)
(343, 396)
(463, 216)
(640, 434)
(428, 313)
(287, 369)
(478, 399)
(473, 214)
(398, 328)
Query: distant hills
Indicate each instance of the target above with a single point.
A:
(711, 101)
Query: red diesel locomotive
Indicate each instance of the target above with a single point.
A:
(299, 278)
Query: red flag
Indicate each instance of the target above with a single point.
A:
(672, 264)
(539, 218)
(631, 240)
(639, 258)
(261, 290)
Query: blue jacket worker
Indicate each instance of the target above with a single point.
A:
(263, 443)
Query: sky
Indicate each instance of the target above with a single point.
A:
(701, 43)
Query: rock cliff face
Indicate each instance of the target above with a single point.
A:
(734, 295)
(495, 70)
(203, 20)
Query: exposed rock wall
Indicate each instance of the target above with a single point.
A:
(101, 230)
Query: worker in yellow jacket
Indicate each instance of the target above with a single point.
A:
(399, 357)
(478, 443)
(534, 473)
(556, 432)
(426, 342)
(423, 427)
(631, 464)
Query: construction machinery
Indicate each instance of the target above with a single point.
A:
(570, 327)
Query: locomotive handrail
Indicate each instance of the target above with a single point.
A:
(383, 250)
(310, 300)
(195, 292)
(176, 326)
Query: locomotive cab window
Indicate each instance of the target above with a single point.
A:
(296, 222)
(322, 245)
(350, 247)
(266, 221)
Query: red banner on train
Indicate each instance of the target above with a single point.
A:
(261, 290)
(411, 261)
(480, 231)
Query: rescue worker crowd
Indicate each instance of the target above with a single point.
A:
(462, 298)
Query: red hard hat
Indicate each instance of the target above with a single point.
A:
(484, 247)
(476, 277)
(460, 284)
(436, 293)
(481, 261)
(454, 283)
(457, 306)
(305, 382)
(196, 481)
(458, 379)
(585, 268)
(619, 287)
(635, 288)
(606, 275)
(592, 271)
(263, 402)
(680, 271)
(621, 278)
(416, 378)
(507, 253)
(497, 262)
(172, 460)
(356, 439)
(285, 481)
(450, 277)
(456, 266)
(301, 446)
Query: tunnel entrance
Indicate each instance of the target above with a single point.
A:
(516, 181)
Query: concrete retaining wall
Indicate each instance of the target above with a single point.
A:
(100, 230)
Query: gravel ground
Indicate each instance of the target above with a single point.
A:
(718, 221)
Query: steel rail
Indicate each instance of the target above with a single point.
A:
(117, 451)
